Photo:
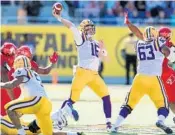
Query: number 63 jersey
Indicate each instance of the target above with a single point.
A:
(150, 57)
(31, 85)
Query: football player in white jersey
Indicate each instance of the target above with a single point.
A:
(35, 101)
(150, 54)
(90, 52)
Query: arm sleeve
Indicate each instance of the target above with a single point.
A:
(34, 65)
(77, 36)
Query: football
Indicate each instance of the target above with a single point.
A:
(57, 7)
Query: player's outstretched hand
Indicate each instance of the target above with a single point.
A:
(126, 21)
(101, 44)
(54, 58)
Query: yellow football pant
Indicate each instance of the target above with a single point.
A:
(8, 128)
(90, 78)
(150, 85)
(40, 106)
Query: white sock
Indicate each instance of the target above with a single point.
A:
(71, 133)
(161, 118)
(108, 120)
(119, 121)
(21, 131)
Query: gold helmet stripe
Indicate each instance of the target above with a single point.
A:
(25, 63)
(147, 33)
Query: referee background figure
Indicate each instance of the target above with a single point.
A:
(129, 54)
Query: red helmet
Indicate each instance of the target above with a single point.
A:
(25, 50)
(165, 32)
(8, 49)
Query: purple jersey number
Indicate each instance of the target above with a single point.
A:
(143, 55)
(94, 49)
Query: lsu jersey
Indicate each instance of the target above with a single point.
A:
(150, 57)
(88, 55)
(32, 85)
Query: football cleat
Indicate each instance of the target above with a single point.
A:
(59, 120)
(114, 129)
(162, 126)
(74, 113)
(80, 133)
(108, 126)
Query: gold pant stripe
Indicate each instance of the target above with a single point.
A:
(10, 125)
(24, 104)
(163, 92)
(127, 98)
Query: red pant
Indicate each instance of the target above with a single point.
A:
(168, 78)
(5, 98)
(4, 95)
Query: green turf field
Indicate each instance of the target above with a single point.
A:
(141, 121)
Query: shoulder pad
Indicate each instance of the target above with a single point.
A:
(20, 72)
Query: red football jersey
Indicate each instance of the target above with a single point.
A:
(168, 77)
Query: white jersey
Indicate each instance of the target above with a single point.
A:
(150, 57)
(87, 51)
(31, 85)
(88, 55)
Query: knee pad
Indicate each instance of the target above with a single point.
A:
(163, 111)
(33, 127)
(125, 111)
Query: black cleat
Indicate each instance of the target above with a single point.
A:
(108, 126)
(162, 126)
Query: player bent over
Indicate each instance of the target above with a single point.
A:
(8, 128)
(168, 74)
(90, 52)
(150, 54)
(35, 100)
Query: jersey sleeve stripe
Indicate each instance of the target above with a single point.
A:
(25, 104)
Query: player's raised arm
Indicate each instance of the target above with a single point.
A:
(135, 30)
(57, 14)
(53, 59)
(12, 84)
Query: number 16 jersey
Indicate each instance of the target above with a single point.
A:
(150, 57)
(31, 85)
(88, 55)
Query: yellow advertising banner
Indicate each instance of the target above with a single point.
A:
(59, 38)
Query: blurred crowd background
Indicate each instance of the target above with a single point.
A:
(101, 12)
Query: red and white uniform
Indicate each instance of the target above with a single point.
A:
(4, 95)
(168, 77)
(17, 91)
